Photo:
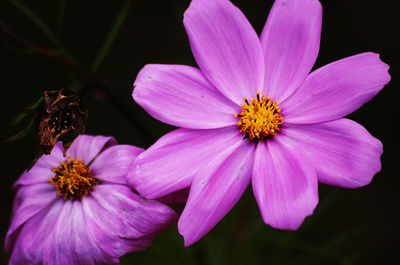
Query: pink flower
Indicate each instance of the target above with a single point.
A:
(234, 128)
(78, 210)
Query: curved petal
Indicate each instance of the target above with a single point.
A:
(58, 236)
(112, 164)
(215, 190)
(181, 96)
(29, 201)
(284, 185)
(121, 221)
(170, 164)
(87, 147)
(41, 170)
(336, 89)
(290, 41)
(226, 48)
(342, 151)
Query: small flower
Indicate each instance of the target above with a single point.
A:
(253, 113)
(78, 210)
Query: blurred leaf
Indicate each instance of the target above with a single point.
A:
(24, 132)
(340, 238)
(61, 14)
(36, 20)
(323, 205)
(119, 21)
(41, 25)
(17, 49)
(32, 107)
(18, 118)
(75, 85)
(26, 112)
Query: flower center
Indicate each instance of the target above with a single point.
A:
(73, 180)
(259, 118)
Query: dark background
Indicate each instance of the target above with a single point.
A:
(348, 227)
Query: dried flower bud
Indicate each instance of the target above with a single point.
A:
(63, 120)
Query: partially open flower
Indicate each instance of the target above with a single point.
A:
(63, 120)
(77, 209)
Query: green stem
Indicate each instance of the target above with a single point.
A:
(119, 21)
(234, 248)
(61, 14)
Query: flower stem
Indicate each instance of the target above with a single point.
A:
(234, 248)
(119, 21)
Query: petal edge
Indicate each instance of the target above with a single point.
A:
(336, 89)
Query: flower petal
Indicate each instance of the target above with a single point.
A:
(170, 164)
(215, 190)
(342, 151)
(112, 165)
(41, 170)
(290, 41)
(336, 89)
(58, 236)
(181, 96)
(226, 47)
(29, 201)
(285, 186)
(87, 147)
(121, 221)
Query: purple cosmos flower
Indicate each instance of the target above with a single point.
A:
(234, 128)
(78, 210)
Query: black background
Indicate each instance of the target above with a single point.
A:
(349, 226)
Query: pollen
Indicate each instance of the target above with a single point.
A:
(73, 179)
(259, 118)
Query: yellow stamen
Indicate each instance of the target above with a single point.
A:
(73, 180)
(259, 118)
